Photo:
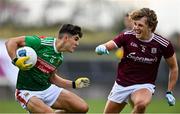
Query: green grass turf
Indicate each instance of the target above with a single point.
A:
(156, 106)
(97, 106)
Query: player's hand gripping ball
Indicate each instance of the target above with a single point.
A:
(26, 58)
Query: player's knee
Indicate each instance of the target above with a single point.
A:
(140, 107)
(84, 108)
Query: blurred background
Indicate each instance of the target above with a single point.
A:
(101, 20)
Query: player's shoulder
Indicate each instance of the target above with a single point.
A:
(129, 32)
(32, 38)
(49, 41)
(161, 40)
(48, 38)
(40, 38)
(126, 34)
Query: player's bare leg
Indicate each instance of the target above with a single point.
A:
(70, 102)
(112, 107)
(140, 100)
(35, 105)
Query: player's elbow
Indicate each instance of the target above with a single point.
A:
(6, 43)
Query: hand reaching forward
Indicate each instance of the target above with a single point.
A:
(81, 82)
(101, 49)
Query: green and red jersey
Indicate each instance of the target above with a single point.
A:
(37, 78)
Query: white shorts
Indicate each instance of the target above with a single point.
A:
(48, 96)
(120, 94)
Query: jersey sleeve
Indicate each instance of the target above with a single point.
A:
(168, 51)
(33, 41)
(119, 40)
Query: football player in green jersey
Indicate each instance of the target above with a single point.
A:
(40, 89)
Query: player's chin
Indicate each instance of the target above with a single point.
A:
(138, 36)
(71, 51)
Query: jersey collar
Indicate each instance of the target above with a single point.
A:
(54, 45)
(148, 39)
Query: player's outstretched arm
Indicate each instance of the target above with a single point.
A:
(64, 83)
(59, 81)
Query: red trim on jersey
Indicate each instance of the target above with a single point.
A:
(19, 97)
(42, 37)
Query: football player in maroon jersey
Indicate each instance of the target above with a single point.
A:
(137, 71)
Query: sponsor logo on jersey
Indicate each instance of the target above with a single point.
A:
(44, 66)
(133, 56)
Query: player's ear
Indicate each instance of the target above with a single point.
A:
(65, 37)
(150, 29)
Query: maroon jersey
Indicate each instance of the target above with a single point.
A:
(141, 59)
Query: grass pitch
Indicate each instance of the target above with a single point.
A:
(97, 106)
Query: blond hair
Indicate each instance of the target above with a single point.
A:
(149, 14)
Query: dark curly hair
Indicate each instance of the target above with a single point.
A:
(146, 12)
(71, 29)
